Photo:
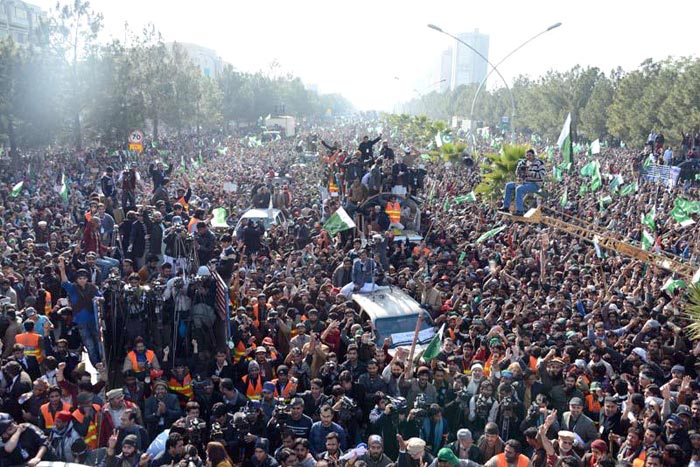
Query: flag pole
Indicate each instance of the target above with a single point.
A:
(407, 372)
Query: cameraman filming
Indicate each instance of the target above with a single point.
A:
(530, 173)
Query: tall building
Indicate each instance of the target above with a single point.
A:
(23, 22)
(205, 58)
(459, 65)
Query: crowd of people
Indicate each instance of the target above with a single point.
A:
(136, 330)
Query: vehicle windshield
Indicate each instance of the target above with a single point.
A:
(266, 221)
(402, 327)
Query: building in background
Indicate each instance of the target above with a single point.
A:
(459, 65)
(205, 58)
(23, 22)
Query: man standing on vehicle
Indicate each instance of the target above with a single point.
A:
(363, 270)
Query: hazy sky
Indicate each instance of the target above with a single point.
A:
(357, 48)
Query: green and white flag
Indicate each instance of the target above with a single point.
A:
(490, 233)
(595, 147)
(589, 169)
(671, 285)
(17, 189)
(583, 189)
(469, 197)
(435, 346)
(564, 142)
(629, 189)
(219, 219)
(681, 217)
(648, 219)
(338, 222)
(688, 207)
(616, 182)
(603, 201)
(557, 174)
(564, 198)
(64, 188)
(183, 165)
(596, 180)
(647, 240)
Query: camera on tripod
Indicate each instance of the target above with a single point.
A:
(420, 406)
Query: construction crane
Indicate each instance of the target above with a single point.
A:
(587, 233)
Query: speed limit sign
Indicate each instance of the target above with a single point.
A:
(136, 137)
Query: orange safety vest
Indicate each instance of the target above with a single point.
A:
(253, 391)
(533, 364)
(502, 462)
(88, 216)
(592, 404)
(393, 210)
(332, 187)
(150, 355)
(90, 437)
(183, 390)
(50, 418)
(639, 461)
(185, 206)
(30, 341)
(286, 390)
(47, 303)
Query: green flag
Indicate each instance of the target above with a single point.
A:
(219, 220)
(64, 188)
(564, 198)
(616, 182)
(435, 346)
(583, 189)
(648, 162)
(596, 180)
(681, 217)
(671, 285)
(647, 240)
(338, 222)
(688, 207)
(557, 174)
(195, 163)
(604, 201)
(469, 197)
(446, 205)
(564, 142)
(648, 219)
(595, 147)
(629, 189)
(588, 169)
(425, 157)
(550, 152)
(462, 257)
(490, 233)
(17, 189)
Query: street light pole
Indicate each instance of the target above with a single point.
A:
(493, 67)
(483, 81)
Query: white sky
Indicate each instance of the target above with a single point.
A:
(358, 47)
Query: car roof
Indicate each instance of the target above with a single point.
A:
(386, 302)
(259, 213)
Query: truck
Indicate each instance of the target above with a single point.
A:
(284, 124)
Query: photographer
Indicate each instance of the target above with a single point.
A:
(192, 428)
(134, 298)
(295, 420)
(128, 179)
(178, 245)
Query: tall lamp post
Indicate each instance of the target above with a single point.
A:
(493, 67)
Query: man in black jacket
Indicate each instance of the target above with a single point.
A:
(158, 173)
(366, 147)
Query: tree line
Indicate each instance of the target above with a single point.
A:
(66, 87)
(616, 106)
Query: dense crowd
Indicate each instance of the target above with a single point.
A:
(137, 329)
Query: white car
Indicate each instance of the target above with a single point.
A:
(266, 217)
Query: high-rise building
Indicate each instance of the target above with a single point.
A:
(23, 22)
(205, 58)
(459, 65)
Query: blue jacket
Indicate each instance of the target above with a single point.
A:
(317, 437)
